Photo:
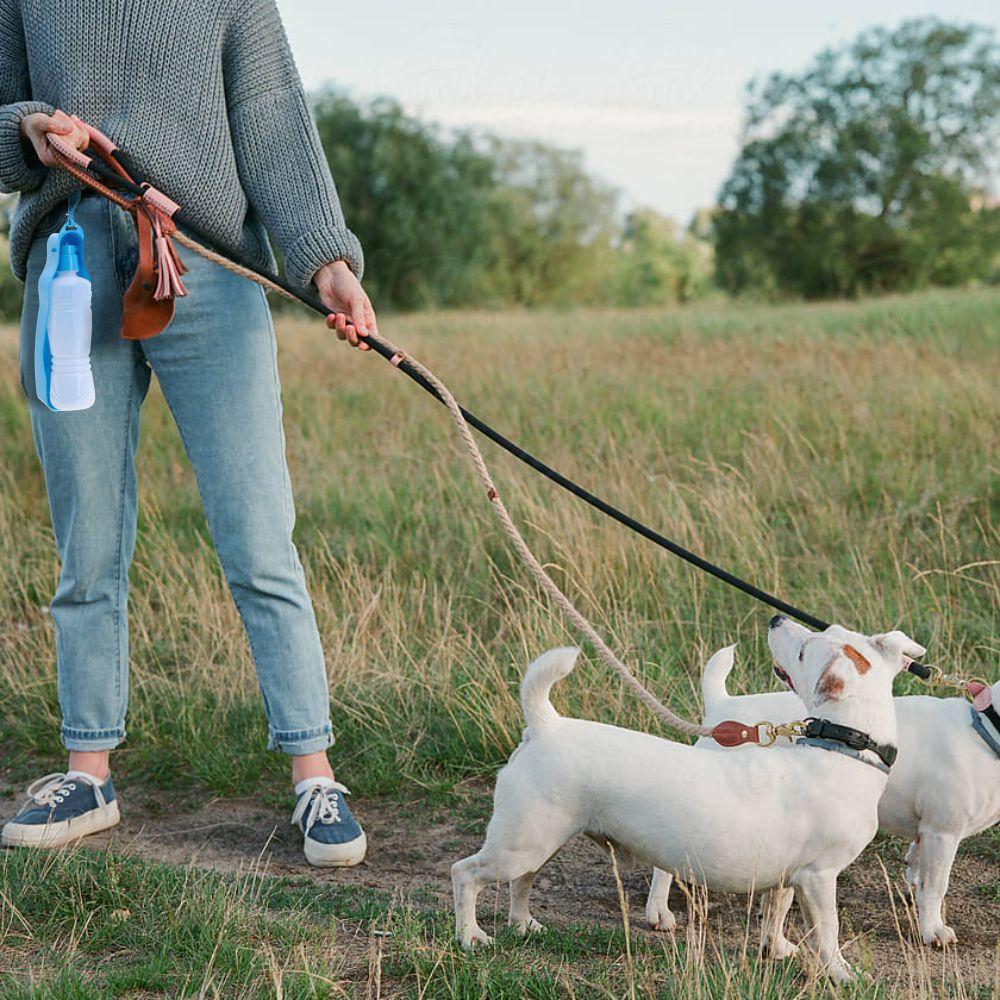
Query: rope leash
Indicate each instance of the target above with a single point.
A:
(397, 358)
(537, 570)
(114, 171)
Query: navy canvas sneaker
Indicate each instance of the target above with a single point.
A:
(62, 808)
(333, 837)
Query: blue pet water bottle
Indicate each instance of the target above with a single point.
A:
(63, 378)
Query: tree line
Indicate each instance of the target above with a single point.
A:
(872, 171)
(452, 219)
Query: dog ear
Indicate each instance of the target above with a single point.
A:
(833, 678)
(897, 647)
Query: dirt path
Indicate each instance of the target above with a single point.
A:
(412, 848)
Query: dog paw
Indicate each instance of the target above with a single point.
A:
(529, 926)
(779, 948)
(940, 937)
(841, 972)
(476, 937)
(661, 920)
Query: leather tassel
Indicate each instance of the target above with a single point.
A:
(176, 257)
(169, 266)
(168, 284)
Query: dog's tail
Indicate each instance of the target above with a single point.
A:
(537, 682)
(713, 678)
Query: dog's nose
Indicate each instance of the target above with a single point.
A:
(776, 621)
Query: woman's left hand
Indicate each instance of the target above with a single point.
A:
(351, 311)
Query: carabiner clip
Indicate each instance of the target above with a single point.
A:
(74, 201)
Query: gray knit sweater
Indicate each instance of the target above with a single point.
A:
(205, 98)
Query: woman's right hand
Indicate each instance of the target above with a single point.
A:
(35, 127)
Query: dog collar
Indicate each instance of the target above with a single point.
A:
(848, 741)
(810, 741)
(979, 723)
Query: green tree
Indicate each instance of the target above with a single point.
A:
(553, 225)
(861, 174)
(454, 219)
(421, 204)
(658, 264)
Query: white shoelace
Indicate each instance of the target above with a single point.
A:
(55, 788)
(317, 805)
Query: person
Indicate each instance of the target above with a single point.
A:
(205, 98)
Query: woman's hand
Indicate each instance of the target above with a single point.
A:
(351, 312)
(35, 127)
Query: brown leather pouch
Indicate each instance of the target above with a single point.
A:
(144, 316)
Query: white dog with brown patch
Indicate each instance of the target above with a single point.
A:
(944, 787)
(788, 816)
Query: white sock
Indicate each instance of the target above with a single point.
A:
(84, 776)
(307, 783)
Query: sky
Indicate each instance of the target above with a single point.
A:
(650, 92)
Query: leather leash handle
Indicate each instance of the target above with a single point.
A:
(68, 153)
(148, 303)
(104, 146)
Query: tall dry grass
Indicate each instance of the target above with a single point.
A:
(842, 455)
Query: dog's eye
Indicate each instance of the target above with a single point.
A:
(802, 653)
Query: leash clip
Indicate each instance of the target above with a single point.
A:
(773, 731)
(74, 201)
(764, 734)
(938, 676)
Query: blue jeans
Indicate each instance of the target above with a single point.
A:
(217, 366)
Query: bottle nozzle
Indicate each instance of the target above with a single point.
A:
(68, 258)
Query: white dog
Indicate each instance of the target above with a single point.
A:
(944, 787)
(789, 815)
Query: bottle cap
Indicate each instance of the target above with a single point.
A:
(68, 259)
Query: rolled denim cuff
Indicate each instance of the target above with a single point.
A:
(91, 739)
(301, 741)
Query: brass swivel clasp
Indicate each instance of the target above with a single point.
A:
(938, 676)
(771, 732)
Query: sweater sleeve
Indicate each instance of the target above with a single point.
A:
(278, 153)
(20, 170)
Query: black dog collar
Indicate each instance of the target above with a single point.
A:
(824, 732)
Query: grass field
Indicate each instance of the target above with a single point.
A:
(842, 455)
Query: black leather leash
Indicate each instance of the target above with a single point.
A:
(110, 177)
